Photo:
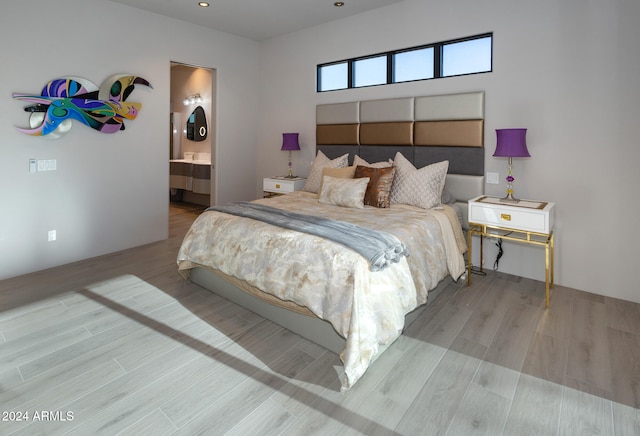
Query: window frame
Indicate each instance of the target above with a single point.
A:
(391, 66)
(366, 58)
(437, 63)
(457, 41)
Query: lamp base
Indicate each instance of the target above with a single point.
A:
(510, 179)
(290, 172)
(509, 199)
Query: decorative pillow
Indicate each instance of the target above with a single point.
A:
(358, 161)
(378, 191)
(418, 187)
(447, 197)
(343, 192)
(314, 179)
(339, 173)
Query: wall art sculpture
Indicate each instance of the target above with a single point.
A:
(73, 98)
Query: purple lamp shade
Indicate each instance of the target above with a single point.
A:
(511, 143)
(290, 142)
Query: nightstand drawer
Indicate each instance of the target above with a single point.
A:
(528, 216)
(282, 185)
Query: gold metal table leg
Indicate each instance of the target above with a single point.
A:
(546, 276)
(551, 241)
(469, 234)
(481, 250)
(549, 268)
(548, 242)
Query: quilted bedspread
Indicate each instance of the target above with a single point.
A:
(335, 283)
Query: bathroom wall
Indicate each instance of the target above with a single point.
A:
(186, 81)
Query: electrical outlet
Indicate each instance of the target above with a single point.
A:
(52, 236)
(493, 178)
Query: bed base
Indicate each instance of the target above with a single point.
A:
(312, 328)
(321, 332)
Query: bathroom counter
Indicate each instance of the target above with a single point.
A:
(191, 161)
(190, 175)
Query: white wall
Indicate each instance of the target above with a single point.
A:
(564, 70)
(109, 192)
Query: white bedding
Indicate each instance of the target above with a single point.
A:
(335, 283)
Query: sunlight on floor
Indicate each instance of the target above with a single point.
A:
(80, 352)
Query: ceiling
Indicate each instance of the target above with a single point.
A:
(257, 19)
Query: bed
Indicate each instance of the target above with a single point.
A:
(380, 167)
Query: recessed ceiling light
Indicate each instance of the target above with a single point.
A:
(338, 4)
(203, 4)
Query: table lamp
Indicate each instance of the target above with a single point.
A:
(290, 143)
(511, 143)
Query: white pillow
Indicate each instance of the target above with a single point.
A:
(358, 161)
(343, 192)
(418, 187)
(321, 161)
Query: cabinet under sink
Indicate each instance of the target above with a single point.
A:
(190, 175)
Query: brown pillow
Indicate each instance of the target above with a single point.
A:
(379, 188)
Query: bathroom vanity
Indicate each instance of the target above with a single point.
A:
(191, 174)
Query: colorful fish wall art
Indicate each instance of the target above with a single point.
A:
(65, 99)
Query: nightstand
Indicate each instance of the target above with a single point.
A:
(527, 221)
(282, 185)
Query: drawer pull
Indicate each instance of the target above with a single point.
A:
(505, 217)
(277, 185)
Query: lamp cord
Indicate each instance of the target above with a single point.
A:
(499, 255)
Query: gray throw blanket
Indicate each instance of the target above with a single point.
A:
(379, 248)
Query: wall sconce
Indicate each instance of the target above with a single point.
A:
(511, 143)
(290, 143)
(192, 99)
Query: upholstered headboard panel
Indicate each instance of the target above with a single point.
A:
(454, 133)
(386, 122)
(336, 134)
(425, 129)
(338, 124)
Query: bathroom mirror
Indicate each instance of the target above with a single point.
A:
(197, 125)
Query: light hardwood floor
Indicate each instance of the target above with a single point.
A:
(121, 344)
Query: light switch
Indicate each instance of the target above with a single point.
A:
(47, 165)
(493, 178)
(32, 166)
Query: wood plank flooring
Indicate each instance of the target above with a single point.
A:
(121, 344)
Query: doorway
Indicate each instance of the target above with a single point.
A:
(192, 139)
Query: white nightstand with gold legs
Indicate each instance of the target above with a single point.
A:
(529, 222)
(280, 185)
